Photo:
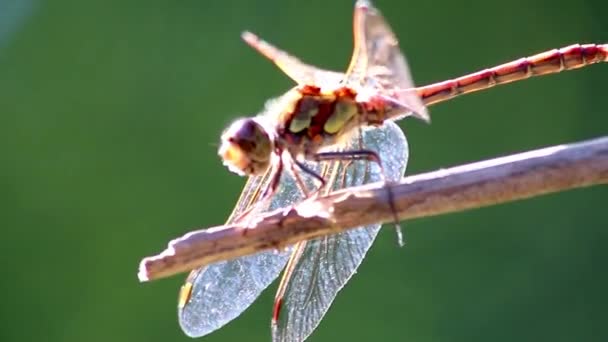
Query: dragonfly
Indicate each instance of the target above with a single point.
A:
(338, 130)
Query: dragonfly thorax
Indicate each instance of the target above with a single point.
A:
(246, 147)
(316, 117)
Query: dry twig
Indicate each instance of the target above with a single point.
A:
(455, 189)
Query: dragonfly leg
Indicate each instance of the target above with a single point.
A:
(268, 191)
(274, 182)
(299, 182)
(391, 200)
(371, 156)
(312, 173)
(368, 155)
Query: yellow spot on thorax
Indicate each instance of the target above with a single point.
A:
(343, 113)
(306, 108)
(302, 119)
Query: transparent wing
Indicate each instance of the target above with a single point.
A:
(377, 61)
(325, 265)
(297, 70)
(220, 292)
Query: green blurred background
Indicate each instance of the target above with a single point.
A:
(110, 114)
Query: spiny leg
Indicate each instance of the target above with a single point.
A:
(298, 180)
(277, 171)
(312, 173)
(370, 156)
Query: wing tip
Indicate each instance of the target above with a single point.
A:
(363, 4)
(423, 115)
(249, 37)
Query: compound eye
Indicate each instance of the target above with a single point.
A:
(246, 147)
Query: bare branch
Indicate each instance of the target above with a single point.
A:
(456, 189)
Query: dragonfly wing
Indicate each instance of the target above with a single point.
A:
(378, 63)
(222, 291)
(218, 293)
(325, 265)
(297, 70)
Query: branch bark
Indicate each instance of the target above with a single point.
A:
(459, 188)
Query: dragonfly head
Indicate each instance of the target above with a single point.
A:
(246, 147)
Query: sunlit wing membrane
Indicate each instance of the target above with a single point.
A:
(326, 264)
(359, 59)
(222, 291)
(378, 62)
(297, 70)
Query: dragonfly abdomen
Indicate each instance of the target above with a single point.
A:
(553, 61)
